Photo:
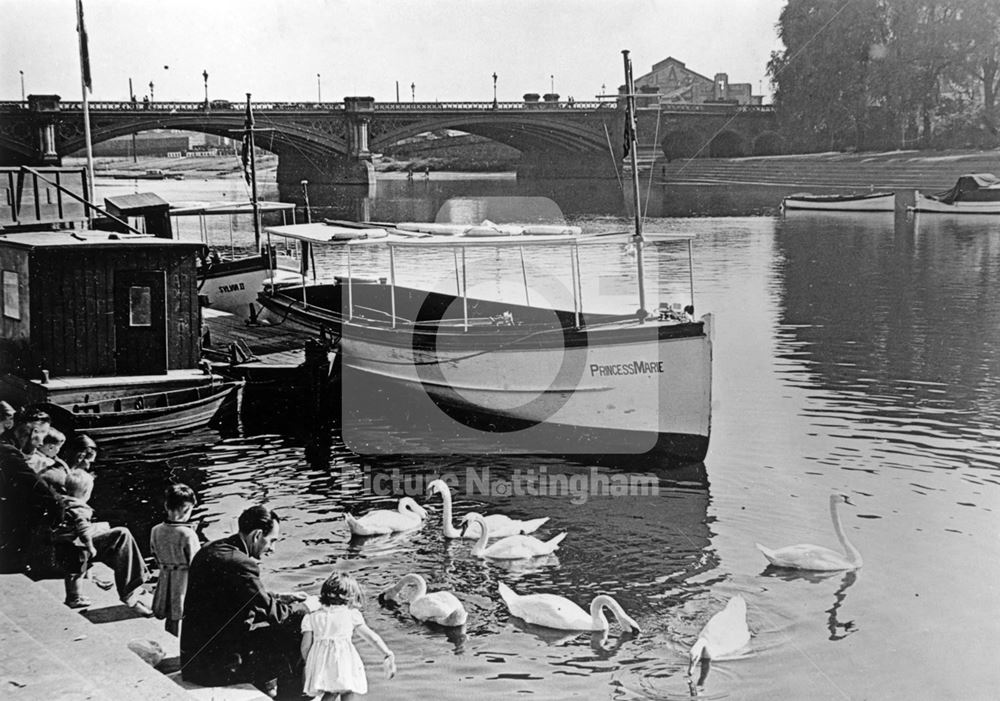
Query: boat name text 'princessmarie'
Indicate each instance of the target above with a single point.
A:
(636, 367)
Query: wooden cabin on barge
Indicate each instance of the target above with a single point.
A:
(105, 328)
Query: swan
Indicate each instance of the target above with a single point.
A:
(441, 607)
(554, 611)
(499, 525)
(816, 557)
(409, 515)
(513, 547)
(725, 633)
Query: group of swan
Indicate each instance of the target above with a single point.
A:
(410, 515)
(499, 525)
(725, 633)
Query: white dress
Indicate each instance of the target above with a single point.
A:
(333, 663)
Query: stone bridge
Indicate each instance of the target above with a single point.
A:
(333, 143)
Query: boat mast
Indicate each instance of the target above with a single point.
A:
(253, 177)
(630, 142)
(85, 85)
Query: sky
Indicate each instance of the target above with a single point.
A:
(447, 49)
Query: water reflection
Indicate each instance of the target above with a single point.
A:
(901, 343)
(838, 630)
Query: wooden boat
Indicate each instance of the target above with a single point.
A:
(976, 193)
(862, 202)
(230, 278)
(630, 382)
(122, 415)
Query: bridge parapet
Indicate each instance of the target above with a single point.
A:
(710, 108)
(489, 106)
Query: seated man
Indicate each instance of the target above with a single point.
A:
(30, 509)
(234, 630)
(28, 505)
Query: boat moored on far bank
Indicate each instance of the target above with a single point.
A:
(977, 193)
(863, 202)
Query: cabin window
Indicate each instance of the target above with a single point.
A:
(140, 306)
(11, 295)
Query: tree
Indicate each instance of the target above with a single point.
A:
(927, 50)
(822, 77)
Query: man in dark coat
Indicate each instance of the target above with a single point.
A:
(28, 505)
(235, 630)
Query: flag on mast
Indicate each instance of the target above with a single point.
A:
(247, 144)
(84, 49)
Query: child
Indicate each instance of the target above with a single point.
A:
(81, 452)
(174, 544)
(73, 542)
(56, 470)
(333, 666)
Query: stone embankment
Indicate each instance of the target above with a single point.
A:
(894, 170)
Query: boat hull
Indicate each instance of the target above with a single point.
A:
(877, 202)
(108, 412)
(647, 383)
(923, 203)
(233, 286)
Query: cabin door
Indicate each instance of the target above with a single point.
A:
(140, 322)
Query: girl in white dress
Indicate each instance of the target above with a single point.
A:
(333, 666)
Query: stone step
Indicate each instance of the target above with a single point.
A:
(52, 652)
(100, 637)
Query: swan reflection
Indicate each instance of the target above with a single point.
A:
(838, 630)
(599, 640)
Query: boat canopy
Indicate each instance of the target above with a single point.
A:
(194, 209)
(332, 234)
(974, 187)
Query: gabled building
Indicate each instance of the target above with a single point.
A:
(672, 81)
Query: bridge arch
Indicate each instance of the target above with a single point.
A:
(726, 144)
(288, 136)
(683, 143)
(768, 143)
(539, 134)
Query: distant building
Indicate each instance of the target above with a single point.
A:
(164, 142)
(672, 81)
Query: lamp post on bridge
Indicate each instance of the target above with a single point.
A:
(204, 75)
(151, 91)
(22, 85)
(413, 92)
(494, 90)
(319, 90)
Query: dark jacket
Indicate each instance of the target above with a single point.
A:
(28, 507)
(225, 601)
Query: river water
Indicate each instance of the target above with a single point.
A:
(854, 354)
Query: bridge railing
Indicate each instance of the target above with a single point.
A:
(488, 106)
(217, 106)
(711, 107)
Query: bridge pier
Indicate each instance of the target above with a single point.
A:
(39, 134)
(321, 171)
(333, 168)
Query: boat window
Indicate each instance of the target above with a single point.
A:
(140, 306)
(11, 295)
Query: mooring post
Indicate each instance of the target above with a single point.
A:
(316, 370)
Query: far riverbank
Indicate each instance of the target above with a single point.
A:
(892, 170)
